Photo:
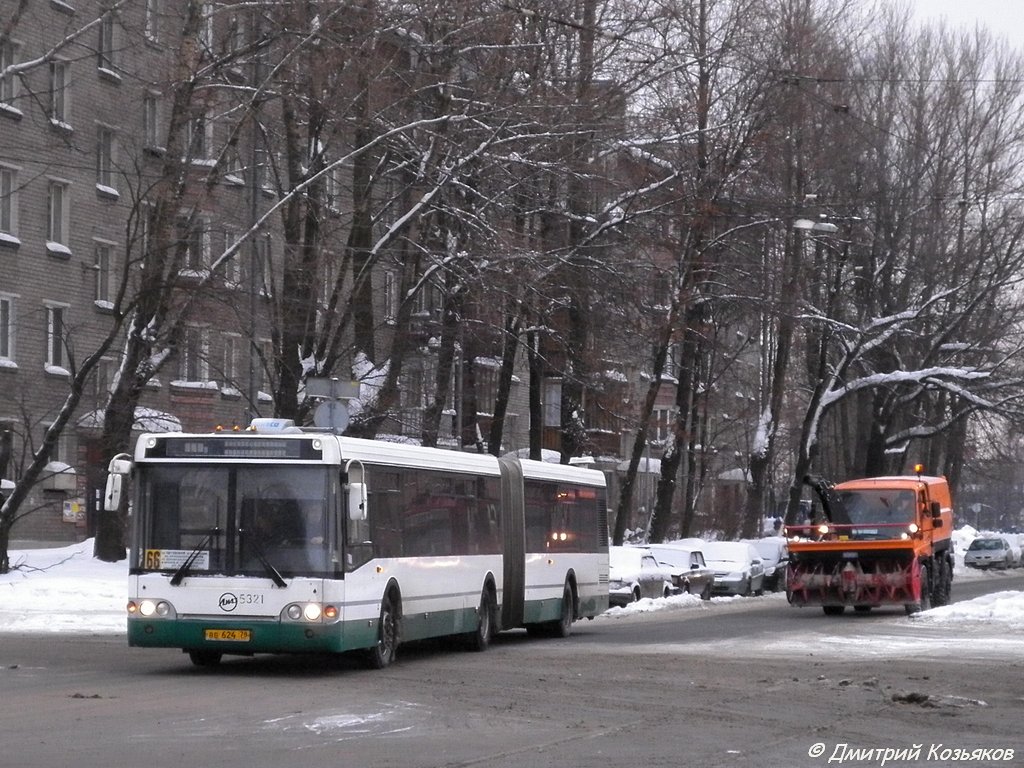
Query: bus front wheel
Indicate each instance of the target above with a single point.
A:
(382, 654)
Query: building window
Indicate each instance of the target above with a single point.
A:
(105, 46)
(140, 244)
(6, 328)
(262, 277)
(552, 402)
(102, 264)
(206, 27)
(62, 449)
(151, 121)
(102, 383)
(235, 34)
(56, 330)
(8, 83)
(193, 357)
(234, 171)
(333, 188)
(231, 268)
(105, 158)
(57, 216)
(232, 354)
(59, 97)
(199, 138)
(151, 24)
(662, 425)
(425, 299)
(193, 244)
(264, 170)
(8, 202)
(263, 369)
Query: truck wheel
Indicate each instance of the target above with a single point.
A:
(925, 603)
(926, 589)
(943, 582)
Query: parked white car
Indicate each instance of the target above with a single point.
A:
(990, 552)
(634, 573)
(737, 566)
(774, 554)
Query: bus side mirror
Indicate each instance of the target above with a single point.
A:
(357, 501)
(112, 493)
(936, 514)
(120, 467)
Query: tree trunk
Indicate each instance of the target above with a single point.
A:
(513, 327)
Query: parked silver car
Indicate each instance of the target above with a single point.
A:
(634, 573)
(690, 573)
(737, 566)
(774, 554)
(990, 552)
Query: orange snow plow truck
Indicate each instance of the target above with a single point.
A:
(883, 541)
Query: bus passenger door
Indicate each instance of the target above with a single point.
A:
(355, 521)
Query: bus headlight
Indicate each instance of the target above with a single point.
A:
(149, 608)
(309, 612)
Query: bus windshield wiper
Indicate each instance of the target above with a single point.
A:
(274, 574)
(182, 572)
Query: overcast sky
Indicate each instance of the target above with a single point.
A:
(1004, 18)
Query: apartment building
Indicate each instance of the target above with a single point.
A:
(85, 94)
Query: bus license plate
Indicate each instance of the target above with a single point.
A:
(230, 635)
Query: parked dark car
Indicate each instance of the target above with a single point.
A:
(690, 574)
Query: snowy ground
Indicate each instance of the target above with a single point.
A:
(67, 590)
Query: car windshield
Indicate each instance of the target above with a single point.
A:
(979, 544)
(724, 552)
(681, 558)
(624, 558)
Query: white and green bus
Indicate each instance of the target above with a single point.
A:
(280, 540)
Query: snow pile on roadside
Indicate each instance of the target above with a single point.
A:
(63, 590)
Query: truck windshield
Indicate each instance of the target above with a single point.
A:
(242, 520)
(879, 507)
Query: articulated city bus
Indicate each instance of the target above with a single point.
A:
(280, 540)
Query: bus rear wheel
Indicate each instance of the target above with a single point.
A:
(382, 654)
(480, 639)
(562, 627)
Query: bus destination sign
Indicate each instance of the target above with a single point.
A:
(231, 447)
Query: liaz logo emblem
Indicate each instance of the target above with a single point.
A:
(228, 602)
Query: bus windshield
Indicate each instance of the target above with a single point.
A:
(235, 519)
